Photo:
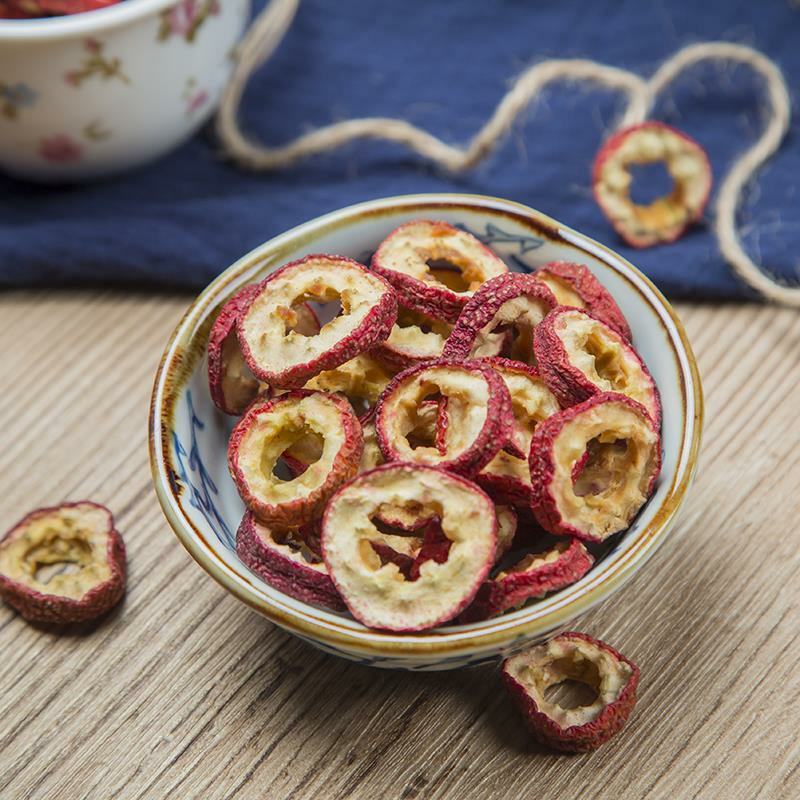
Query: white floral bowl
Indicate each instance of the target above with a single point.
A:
(188, 436)
(96, 93)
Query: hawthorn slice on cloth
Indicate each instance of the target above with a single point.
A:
(666, 218)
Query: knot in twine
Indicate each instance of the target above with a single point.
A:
(270, 27)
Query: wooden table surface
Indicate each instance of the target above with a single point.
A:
(186, 693)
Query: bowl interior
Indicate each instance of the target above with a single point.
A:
(190, 435)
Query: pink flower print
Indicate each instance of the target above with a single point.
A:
(196, 102)
(91, 45)
(181, 17)
(60, 149)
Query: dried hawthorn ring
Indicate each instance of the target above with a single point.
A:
(282, 357)
(435, 267)
(667, 217)
(361, 379)
(233, 386)
(507, 476)
(478, 411)
(610, 676)
(581, 356)
(617, 450)
(377, 594)
(284, 561)
(267, 430)
(514, 300)
(415, 338)
(534, 575)
(80, 536)
(576, 285)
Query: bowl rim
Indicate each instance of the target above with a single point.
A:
(71, 25)
(534, 620)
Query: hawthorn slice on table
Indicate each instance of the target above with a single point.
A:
(231, 383)
(533, 576)
(667, 217)
(605, 674)
(415, 338)
(377, 593)
(513, 303)
(581, 356)
(507, 476)
(268, 429)
(576, 285)
(281, 356)
(593, 466)
(435, 267)
(79, 546)
(479, 415)
(285, 561)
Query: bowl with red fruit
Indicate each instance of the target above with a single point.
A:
(426, 431)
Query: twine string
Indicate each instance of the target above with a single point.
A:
(270, 27)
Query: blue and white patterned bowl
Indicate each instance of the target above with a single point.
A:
(188, 436)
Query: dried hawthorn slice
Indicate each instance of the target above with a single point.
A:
(507, 476)
(267, 430)
(534, 575)
(576, 285)
(435, 267)
(617, 477)
(478, 412)
(667, 217)
(362, 379)
(281, 356)
(581, 356)
(506, 530)
(415, 338)
(231, 383)
(609, 683)
(513, 302)
(378, 594)
(63, 564)
(284, 561)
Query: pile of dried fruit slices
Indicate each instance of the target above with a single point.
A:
(456, 441)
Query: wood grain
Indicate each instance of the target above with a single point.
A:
(184, 692)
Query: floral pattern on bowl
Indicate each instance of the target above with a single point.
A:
(131, 63)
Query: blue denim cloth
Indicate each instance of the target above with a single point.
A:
(443, 66)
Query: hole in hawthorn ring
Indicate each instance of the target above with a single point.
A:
(604, 466)
(649, 182)
(570, 693)
(44, 573)
(607, 363)
(448, 273)
(329, 310)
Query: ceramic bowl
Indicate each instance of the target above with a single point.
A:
(96, 93)
(188, 436)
